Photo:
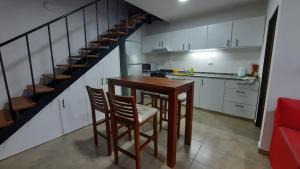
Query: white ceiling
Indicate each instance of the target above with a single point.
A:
(173, 10)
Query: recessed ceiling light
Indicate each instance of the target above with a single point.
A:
(183, 0)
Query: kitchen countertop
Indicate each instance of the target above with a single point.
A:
(226, 76)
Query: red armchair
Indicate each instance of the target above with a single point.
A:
(285, 146)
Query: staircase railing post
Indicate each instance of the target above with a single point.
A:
(85, 39)
(118, 26)
(69, 46)
(107, 14)
(30, 64)
(51, 53)
(97, 22)
(14, 115)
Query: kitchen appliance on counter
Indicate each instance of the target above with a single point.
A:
(242, 72)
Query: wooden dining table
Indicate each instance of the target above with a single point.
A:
(169, 87)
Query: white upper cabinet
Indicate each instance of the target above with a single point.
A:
(196, 38)
(189, 39)
(248, 32)
(179, 40)
(156, 42)
(219, 35)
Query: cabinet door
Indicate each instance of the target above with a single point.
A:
(165, 40)
(248, 32)
(197, 86)
(178, 40)
(147, 44)
(74, 111)
(219, 35)
(196, 38)
(111, 68)
(94, 78)
(211, 94)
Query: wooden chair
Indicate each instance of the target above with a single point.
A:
(98, 102)
(125, 111)
(164, 110)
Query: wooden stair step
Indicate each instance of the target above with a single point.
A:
(111, 39)
(113, 34)
(40, 89)
(57, 77)
(22, 103)
(95, 48)
(71, 65)
(83, 56)
(5, 119)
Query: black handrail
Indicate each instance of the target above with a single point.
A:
(48, 23)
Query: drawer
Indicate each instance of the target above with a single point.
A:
(240, 110)
(241, 96)
(241, 85)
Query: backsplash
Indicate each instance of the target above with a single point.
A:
(214, 60)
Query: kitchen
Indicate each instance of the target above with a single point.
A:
(221, 58)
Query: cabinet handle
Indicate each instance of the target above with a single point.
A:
(236, 42)
(240, 106)
(102, 81)
(241, 92)
(202, 82)
(159, 44)
(182, 46)
(242, 84)
(228, 43)
(189, 46)
(63, 103)
(162, 44)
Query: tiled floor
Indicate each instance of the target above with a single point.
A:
(219, 142)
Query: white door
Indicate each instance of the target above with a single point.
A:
(219, 35)
(73, 107)
(211, 94)
(178, 40)
(248, 32)
(196, 38)
(111, 68)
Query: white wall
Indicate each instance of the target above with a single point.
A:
(285, 68)
(223, 60)
(248, 11)
(18, 16)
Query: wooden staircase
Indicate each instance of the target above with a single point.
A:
(103, 42)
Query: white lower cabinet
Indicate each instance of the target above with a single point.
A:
(240, 110)
(241, 98)
(211, 94)
(73, 107)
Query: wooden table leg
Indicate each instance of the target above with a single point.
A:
(189, 115)
(172, 128)
(111, 87)
(133, 93)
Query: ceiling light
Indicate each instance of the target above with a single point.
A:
(183, 0)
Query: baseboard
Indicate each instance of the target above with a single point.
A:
(264, 152)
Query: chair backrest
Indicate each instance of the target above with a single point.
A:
(158, 74)
(123, 109)
(97, 99)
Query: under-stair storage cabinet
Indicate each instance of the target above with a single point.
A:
(189, 39)
(156, 42)
(44, 126)
(211, 94)
(73, 107)
(248, 32)
(219, 35)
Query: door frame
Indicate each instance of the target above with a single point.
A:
(266, 69)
